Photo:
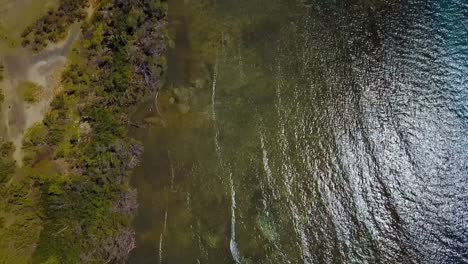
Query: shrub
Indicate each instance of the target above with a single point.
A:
(53, 26)
(2, 70)
(30, 92)
(7, 163)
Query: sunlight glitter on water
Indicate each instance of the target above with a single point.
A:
(338, 134)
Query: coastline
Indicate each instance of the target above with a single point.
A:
(75, 174)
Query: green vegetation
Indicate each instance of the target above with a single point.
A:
(16, 16)
(34, 143)
(19, 221)
(30, 92)
(19, 218)
(71, 201)
(2, 77)
(7, 164)
(2, 95)
(2, 70)
(54, 25)
(80, 158)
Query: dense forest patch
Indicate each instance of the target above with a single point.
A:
(53, 26)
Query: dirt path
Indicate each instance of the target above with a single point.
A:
(42, 69)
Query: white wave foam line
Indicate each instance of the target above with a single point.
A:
(163, 233)
(160, 247)
(213, 109)
(241, 65)
(213, 90)
(172, 169)
(201, 247)
(266, 165)
(232, 243)
(161, 237)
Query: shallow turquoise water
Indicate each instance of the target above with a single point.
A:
(309, 132)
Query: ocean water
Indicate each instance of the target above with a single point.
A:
(309, 132)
